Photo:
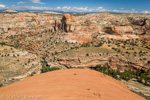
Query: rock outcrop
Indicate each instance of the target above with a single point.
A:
(68, 23)
(78, 84)
(122, 29)
(115, 63)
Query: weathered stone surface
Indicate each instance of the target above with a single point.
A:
(81, 84)
(114, 63)
(122, 29)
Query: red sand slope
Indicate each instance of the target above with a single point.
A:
(70, 84)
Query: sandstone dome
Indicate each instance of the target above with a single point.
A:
(69, 84)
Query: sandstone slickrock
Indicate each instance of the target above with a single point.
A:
(73, 84)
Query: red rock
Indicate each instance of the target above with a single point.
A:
(68, 23)
(70, 84)
(73, 19)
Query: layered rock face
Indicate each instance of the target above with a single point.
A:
(68, 85)
(68, 23)
(115, 63)
(71, 24)
(122, 29)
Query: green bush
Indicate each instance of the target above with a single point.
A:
(87, 54)
(141, 75)
(1, 85)
(47, 69)
(33, 73)
(135, 23)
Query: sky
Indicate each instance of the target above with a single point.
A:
(125, 6)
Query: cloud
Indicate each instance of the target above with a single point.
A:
(2, 6)
(145, 12)
(37, 1)
(100, 9)
(71, 9)
(21, 2)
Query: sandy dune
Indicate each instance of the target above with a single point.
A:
(68, 84)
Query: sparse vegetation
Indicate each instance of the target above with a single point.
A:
(87, 54)
(1, 84)
(141, 75)
(135, 23)
(47, 69)
(51, 45)
(33, 73)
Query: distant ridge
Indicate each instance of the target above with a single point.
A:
(50, 12)
(9, 11)
(62, 12)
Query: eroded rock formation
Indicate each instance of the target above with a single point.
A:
(122, 29)
(68, 23)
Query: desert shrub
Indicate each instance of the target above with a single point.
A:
(85, 45)
(126, 75)
(98, 45)
(1, 85)
(87, 54)
(14, 55)
(56, 52)
(47, 69)
(33, 73)
(135, 23)
(54, 68)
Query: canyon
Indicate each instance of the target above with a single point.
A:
(30, 40)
